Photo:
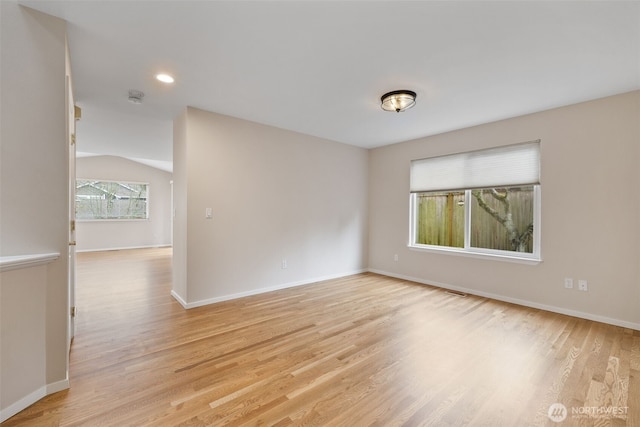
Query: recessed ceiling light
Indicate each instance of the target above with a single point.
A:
(165, 78)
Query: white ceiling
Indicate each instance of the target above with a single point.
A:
(319, 67)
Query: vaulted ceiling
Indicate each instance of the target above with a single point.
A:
(320, 67)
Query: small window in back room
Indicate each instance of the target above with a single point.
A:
(111, 200)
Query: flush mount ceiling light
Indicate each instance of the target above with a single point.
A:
(135, 96)
(165, 78)
(398, 100)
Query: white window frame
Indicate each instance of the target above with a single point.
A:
(522, 257)
(498, 167)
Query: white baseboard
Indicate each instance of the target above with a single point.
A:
(260, 290)
(124, 248)
(178, 298)
(32, 398)
(57, 386)
(23, 403)
(531, 304)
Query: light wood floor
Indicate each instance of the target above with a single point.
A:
(358, 351)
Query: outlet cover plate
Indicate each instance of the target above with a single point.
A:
(582, 285)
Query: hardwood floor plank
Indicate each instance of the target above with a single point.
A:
(363, 350)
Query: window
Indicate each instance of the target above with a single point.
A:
(483, 202)
(99, 200)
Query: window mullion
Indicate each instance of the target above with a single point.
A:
(467, 219)
(412, 218)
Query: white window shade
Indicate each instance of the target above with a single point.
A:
(517, 164)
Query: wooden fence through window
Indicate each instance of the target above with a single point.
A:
(440, 219)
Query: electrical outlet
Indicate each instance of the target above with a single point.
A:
(395, 257)
(568, 283)
(582, 285)
(284, 263)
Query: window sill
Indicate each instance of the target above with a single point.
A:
(113, 220)
(477, 255)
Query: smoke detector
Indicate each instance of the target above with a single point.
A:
(135, 96)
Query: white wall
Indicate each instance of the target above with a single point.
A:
(275, 195)
(590, 210)
(22, 330)
(104, 235)
(34, 199)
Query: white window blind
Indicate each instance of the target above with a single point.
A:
(517, 164)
